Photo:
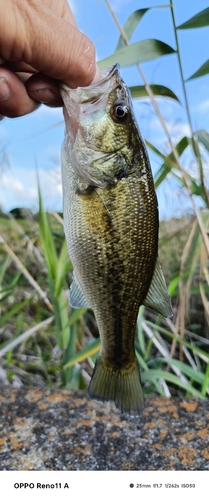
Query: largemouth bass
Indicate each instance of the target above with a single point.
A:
(111, 226)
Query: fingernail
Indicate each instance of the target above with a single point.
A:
(43, 95)
(5, 91)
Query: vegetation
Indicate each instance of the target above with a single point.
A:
(42, 341)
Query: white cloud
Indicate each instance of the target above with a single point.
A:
(149, 123)
(176, 128)
(203, 107)
(118, 5)
(18, 188)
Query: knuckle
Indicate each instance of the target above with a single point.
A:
(86, 61)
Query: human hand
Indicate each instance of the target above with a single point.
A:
(40, 46)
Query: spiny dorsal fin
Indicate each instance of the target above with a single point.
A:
(77, 298)
(157, 297)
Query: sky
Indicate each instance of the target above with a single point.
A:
(33, 143)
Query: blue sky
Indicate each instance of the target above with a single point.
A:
(33, 142)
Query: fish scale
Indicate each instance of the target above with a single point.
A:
(111, 226)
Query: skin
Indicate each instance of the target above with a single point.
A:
(40, 45)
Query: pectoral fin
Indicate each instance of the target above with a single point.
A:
(77, 298)
(157, 297)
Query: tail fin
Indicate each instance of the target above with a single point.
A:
(122, 387)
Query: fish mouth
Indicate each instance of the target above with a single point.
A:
(107, 74)
(111, 79)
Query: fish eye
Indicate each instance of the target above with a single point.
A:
(120, 111)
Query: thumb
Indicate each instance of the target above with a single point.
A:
(58, 49)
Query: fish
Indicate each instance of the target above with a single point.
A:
(111, 225)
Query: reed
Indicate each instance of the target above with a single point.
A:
(42, 340)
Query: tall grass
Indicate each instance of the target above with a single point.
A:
(42, 340)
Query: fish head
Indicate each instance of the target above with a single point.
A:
(99, 128)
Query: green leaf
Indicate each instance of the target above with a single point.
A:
(203, 137)
(76, 314)
(75, 379)
(198, 21)
(145, 367)
(88, 350)
(194, 375)
(47, 239)
(172, 336)
(64, 334)
(169, 161)
(158, 90)
(205, 384)
(70, 349)
(130, 26)
(145, 50)
(197, 189)
(4, 267)
(173, 286)
(4, 296)
(151, 375)
(15, 310)
(64, 265)
(203, 70)
(132, 22)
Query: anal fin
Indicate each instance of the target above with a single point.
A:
(157, 297)
(77, 298)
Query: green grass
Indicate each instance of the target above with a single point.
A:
(43, 341)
